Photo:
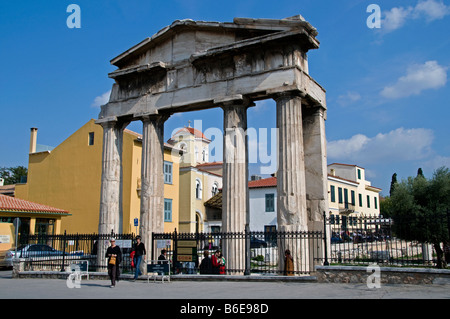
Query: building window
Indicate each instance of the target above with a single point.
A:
(215, 189)
(270, 202)
(167, 172)
(340, 195)
(375, 202)
(360, 200)
(91, 138)
(368, 201)
(44, 226)
(353, 197)
(346, 197)
(167, 210)
(198, 189)
(332, 194)
(359, 173)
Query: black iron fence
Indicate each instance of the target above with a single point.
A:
(353, 240)
(406, 241)
(251, 252)
(256, 252)
(57, 252)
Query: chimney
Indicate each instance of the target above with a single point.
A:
(33, 140)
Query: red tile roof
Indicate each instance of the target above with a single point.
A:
(210, 164)
(13, 204)
(265, 182)
(192, 131)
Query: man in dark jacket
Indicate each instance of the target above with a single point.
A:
(206, 264)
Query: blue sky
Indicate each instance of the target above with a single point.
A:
(387, 91)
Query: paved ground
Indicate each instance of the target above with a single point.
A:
(237, 290)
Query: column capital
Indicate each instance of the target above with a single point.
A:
(234, 100)
(317, 110)
(107, 121)
(152, 116)
(286, 91)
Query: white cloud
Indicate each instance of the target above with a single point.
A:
(396, 17)
(436, 162)
(102, 99)
(431, 9)
(429, 75)
(396, 146)
(348, 98)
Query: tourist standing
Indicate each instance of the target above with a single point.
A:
(288, 263)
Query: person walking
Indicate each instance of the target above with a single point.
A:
(139, 254)
(114, 255)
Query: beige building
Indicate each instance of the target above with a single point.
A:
(350, 194)
(199, 180)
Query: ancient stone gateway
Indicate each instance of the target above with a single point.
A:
(194, 65)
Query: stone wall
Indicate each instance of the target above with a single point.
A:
(388, 275)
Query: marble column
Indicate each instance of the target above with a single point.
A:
(291, 185)
(235, 184)
(152, 179)
(315, 165)
(110, 193)
(316, 173)
(111, 181)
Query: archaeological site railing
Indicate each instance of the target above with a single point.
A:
(363, 240)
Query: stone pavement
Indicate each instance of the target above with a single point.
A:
(32, 288)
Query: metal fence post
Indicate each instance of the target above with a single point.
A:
(247, 250)
(175, 247)
(64, 252)
(325, 263)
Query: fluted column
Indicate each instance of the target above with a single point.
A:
(152, 179)
(111, 181)
(316, 166)
(235, 180)
(110, 193)
(291, 186)
(316, 173)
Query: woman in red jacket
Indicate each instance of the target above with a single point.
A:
(218, 263)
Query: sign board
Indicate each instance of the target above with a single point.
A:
(187, 250)
(124, 243)
(5, 239)
(187, 243)
(185, 258)
(158, 268)
(163, 243)
(136, 222)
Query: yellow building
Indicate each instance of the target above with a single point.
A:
(35, 219)
(69, 177)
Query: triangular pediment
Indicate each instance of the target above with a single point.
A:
(184, 38)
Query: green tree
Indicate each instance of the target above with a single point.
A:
(393, 183)
(13, 175)
(419, 209)
(420, 172)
